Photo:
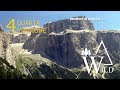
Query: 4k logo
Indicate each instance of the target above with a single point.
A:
(87, 53)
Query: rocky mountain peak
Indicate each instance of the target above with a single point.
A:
(61, 25)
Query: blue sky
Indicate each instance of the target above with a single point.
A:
(111, 22)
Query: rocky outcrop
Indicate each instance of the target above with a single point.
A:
(5, 48)
(37, 67)
(65, 49)
(18, 38)
(62, 25)
(9, 72)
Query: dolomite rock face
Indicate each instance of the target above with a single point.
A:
(65, 49)
(19, 38)
(5, 48)
(68, 38)
(61, 25)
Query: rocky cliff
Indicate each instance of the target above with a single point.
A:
(65, 49)
(5, 48)
(18, 38)
(61, 25)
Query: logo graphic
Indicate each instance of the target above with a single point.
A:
(87, 54)
(22, 26)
